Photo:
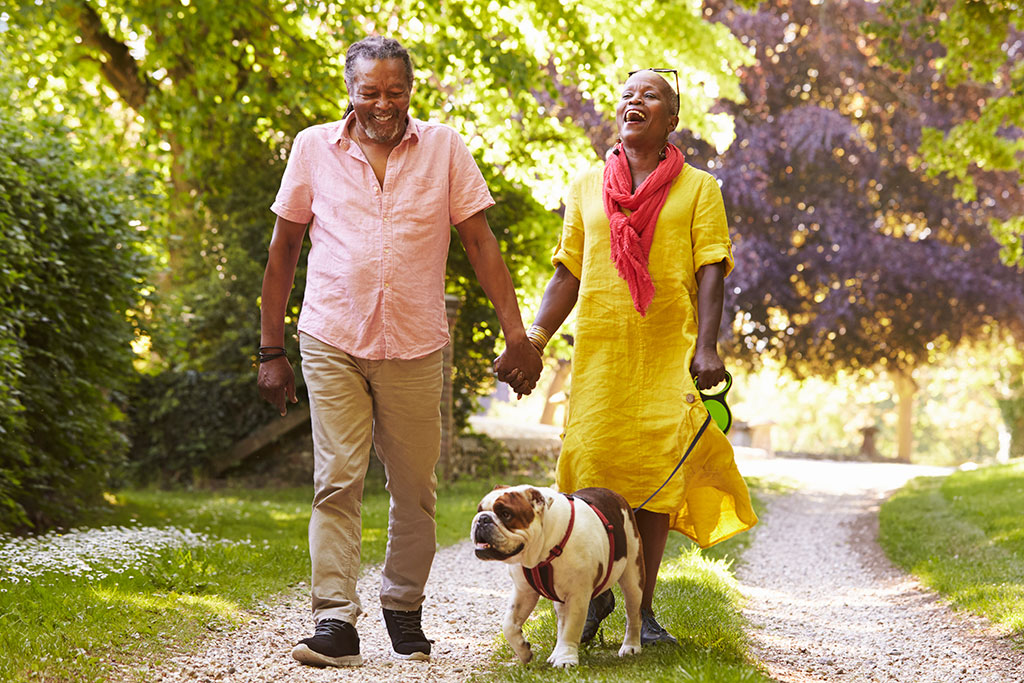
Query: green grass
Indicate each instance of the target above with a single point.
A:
(963, 535)
(697, 601)
(58, 627)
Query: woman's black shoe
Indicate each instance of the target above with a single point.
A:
(651, 631)
(600, 607)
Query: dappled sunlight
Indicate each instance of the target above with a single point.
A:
(281, 516)
(212, 604)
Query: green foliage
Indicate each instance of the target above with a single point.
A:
(975, 46)
(525, 232)
(963, 535)
(71, 272)
(209, 95)
(181, 423)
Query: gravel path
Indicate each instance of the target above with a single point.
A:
(826, 603)
(466, 599)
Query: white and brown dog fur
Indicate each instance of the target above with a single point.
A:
(520, 525)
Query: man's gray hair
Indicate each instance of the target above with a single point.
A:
(376, 48)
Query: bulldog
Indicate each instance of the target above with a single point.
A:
(568, 548)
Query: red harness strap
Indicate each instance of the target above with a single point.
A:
(541, 577)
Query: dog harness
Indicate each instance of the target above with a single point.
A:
(541, 577)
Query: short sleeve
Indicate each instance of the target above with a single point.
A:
(467, 189)
(710, 231)
(294, 201)
(569, 251)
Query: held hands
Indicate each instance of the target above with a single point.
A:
(520, 366)
(707, 368)
(276, 383)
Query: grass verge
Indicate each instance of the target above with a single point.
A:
(963, 535)
(59, 626)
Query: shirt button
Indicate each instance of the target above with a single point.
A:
(387, 285)
(690, 398)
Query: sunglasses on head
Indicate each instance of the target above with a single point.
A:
(662, 71)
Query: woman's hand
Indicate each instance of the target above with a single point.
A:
(707, 368)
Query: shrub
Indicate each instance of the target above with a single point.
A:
(71, 269)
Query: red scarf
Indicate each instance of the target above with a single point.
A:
(631, 235)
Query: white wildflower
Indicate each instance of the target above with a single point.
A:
(92, 553)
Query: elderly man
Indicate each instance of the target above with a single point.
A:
(380, 191)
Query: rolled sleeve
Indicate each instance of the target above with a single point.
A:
(467, 189)
(710, 231)
(569, 251)
(294, 201)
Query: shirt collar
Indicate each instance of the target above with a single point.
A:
(340, 134)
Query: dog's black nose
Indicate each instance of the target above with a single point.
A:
(485, 520)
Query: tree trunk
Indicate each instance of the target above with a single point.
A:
(556, 386)
(906, 387)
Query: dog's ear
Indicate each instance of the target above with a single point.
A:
(537, 498)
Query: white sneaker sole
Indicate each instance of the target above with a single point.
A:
(302, 654)
(412, 657)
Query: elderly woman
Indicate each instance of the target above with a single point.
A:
(644, 251)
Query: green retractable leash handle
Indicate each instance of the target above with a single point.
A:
(716, 405)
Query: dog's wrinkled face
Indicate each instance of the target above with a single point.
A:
(507, 519)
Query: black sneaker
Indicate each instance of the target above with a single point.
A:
(600, 607)
(335, 643)
(651, 631)
(407, 639)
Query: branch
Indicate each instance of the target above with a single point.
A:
(119, 67)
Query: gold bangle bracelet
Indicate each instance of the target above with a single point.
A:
(539, 334)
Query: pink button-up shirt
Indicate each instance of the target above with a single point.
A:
(375, 277)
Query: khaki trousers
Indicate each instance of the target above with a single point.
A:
(396, 405)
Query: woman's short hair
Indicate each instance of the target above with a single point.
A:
(376, 48)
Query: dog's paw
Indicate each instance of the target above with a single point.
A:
(563, 660)
(525, 653)
(626, 650)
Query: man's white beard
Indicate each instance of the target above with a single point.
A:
(384, 132)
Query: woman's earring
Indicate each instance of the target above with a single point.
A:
(664, 153)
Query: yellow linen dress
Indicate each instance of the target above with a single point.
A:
(633, 406)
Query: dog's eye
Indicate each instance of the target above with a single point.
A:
(504, 514)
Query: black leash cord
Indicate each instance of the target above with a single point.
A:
(700, 432)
